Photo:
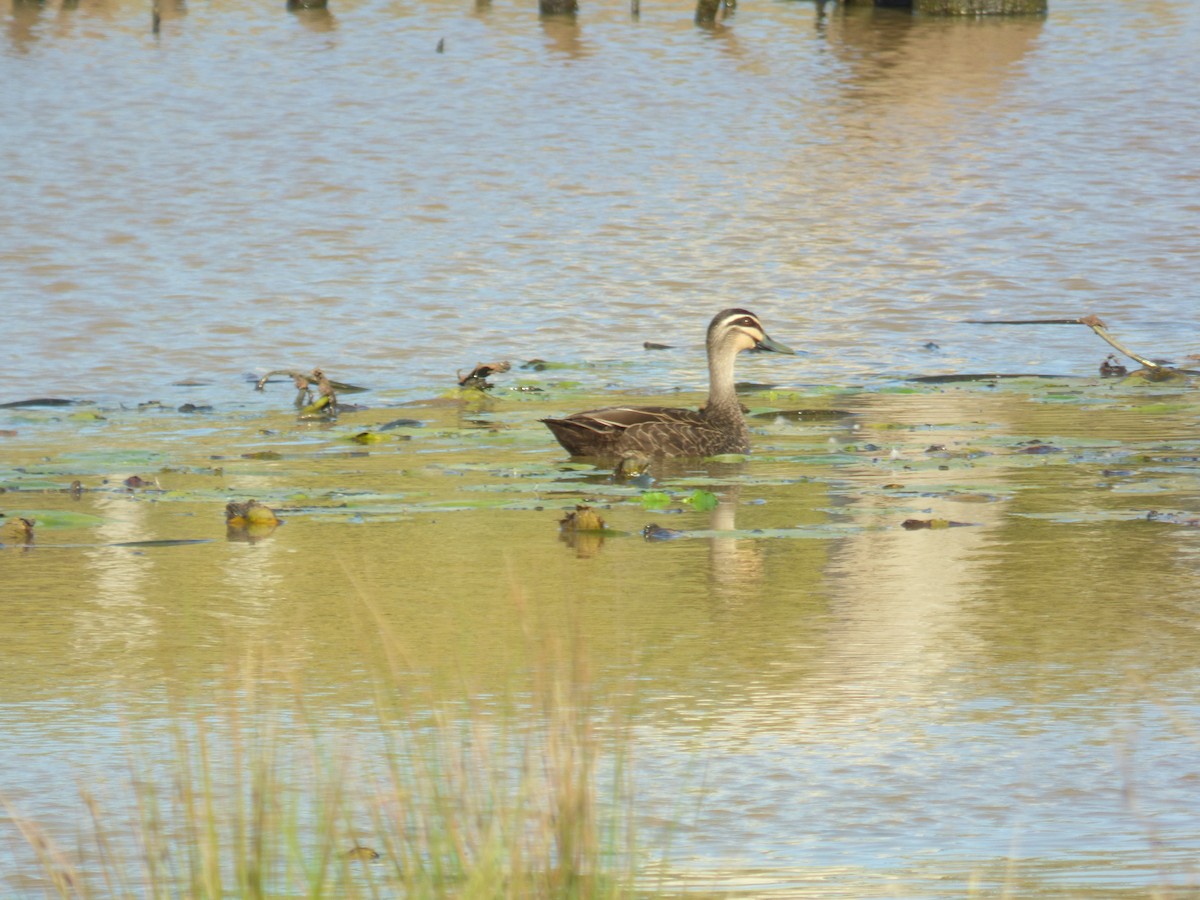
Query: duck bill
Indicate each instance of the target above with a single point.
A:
(768, 344)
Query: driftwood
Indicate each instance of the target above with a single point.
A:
(1155, 370)
(323, 402)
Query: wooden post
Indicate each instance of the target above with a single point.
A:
(706, 10)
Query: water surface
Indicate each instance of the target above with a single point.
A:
(845, 706)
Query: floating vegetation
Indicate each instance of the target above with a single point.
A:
(249, 512)
(702, 501)
(802, 415)
(582, 518)
(633, 468)
(656, 500)
(263, 455)
(1181, 519)
(477, 378)
(1111, 367)
(316, 393)
(16, 530)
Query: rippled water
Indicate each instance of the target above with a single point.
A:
(848, 708)
(252, 188)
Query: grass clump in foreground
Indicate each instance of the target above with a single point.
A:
(253, 797)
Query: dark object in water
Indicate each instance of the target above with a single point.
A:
(360, 853)
(38, 401)
(583, 530)
(16, 531)
(1155, 370)
(250, 512)
(655, 431)
(1111, 366)
(654, 532)
(582, 518)
(976, 376)
(477, 377)
(920, 524)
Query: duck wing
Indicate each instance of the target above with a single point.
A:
(619, 418)
(620, 429)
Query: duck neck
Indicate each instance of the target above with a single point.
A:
(723, 402)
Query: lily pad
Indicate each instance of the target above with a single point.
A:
(57, 518)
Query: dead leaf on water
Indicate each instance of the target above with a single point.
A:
(582, 518)
(1111, 367)
(583, 530)
(478, 377)
(16, 531)
(361, 853)
(250, 512)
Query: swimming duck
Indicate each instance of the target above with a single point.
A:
(717, 427)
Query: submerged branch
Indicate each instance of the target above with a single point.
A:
(1097, 325)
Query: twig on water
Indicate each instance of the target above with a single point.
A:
(1097, 325)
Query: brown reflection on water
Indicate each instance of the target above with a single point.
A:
(313, 17)
(564, 36)
(911, 63)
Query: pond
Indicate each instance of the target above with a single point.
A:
(932, 638)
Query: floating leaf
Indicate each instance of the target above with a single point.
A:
(656, 499)
(54, 518)
(703, 501)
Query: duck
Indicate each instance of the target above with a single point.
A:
(716, 428)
